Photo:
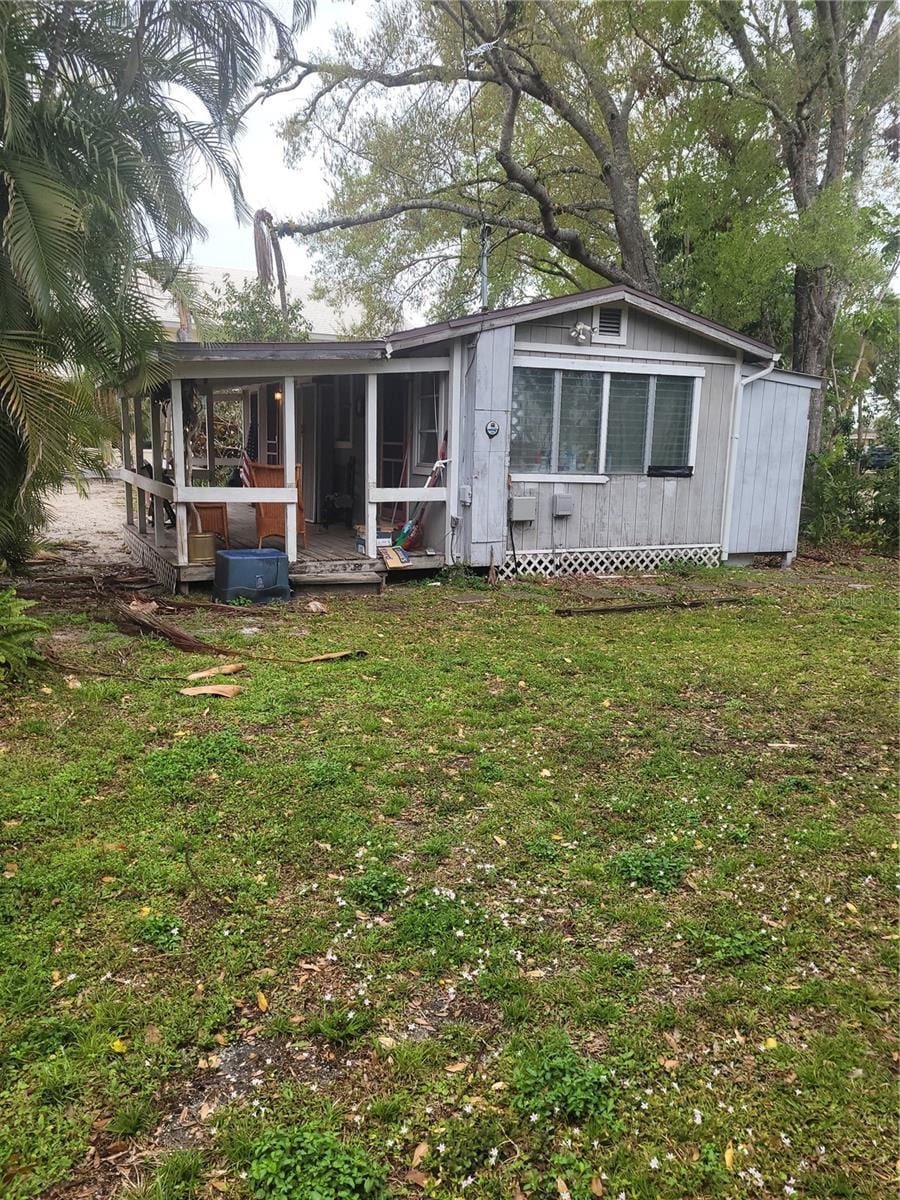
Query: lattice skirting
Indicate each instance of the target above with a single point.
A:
(606, 560)
(148, 556)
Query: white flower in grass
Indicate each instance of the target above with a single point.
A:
(698, 1117)
(653, 1163)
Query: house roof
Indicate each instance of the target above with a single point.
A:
(518, 313)
(408, 339)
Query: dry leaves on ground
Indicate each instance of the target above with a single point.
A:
(224, 669)
(228, 690)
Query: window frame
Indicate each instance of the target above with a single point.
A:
(421, 468)
(609, 368)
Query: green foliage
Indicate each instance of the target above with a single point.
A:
(99, 153)
(162, 931)
(179, 1176)
(662, 869)
(173, 767)
(555, 1082)
(308, 1163)
(17, 635)
(341, 1025)
(467, 1144)
(846, 503)
(739, 944)
(251, 312)
(109, 801)
(375, 889)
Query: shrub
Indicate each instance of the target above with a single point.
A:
(554, 1081)
(17, 634)
(306, 1163)
(843, 503)
(660, 869)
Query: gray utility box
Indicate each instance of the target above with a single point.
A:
(563, 504)
(523, 509)
(258, 575)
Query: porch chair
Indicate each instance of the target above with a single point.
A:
(270, 517)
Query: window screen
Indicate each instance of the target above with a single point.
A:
(427, 405)
(531, 419)
(580, 414)
(625, 438)
(672, 421)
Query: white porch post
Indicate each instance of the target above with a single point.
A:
(127, 461)
(289, 442)
(371, 464)
(181, 516)
(156, 457)
(139, 461)
(454, 416)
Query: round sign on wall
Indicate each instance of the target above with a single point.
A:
(492, 429)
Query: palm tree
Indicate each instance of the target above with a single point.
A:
(108, 109)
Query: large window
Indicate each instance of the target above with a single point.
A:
(558, 418)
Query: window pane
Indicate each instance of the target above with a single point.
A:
(427, 421)
(531, 419)
(672, 421)
(627, 422)
(581, 407)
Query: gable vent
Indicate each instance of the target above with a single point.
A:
(608, 322)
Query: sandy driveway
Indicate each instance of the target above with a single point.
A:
(88, 530)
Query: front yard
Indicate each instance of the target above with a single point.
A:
(515, 906)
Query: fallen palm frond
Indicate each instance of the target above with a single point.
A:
(646, 604)
(182, 640)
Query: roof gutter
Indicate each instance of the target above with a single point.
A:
(737, 410)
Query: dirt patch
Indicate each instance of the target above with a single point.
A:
(87, 530)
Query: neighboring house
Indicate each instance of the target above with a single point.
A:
(597, 432)
(326, 323)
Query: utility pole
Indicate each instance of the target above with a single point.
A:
(483, 265)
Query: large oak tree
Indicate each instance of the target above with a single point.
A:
(564, 130)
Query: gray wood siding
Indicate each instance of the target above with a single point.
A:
(487, 394)
(643, 332)
(635, 510)
(769, 467)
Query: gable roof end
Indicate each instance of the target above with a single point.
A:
(516, 314)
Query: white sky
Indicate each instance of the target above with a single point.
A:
(268, 183)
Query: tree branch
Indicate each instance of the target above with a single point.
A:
(571, 239)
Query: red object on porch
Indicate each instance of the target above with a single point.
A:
(270, 517)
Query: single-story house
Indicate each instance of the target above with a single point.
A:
(594, 432)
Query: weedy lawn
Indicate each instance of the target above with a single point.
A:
(516, 906)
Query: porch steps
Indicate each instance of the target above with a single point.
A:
(367, 580)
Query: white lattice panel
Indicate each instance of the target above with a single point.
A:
(605, 560)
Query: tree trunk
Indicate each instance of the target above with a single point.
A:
(815, 310)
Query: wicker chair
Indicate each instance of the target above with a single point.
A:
(270, 517)
(211, 518)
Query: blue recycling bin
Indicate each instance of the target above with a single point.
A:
(257, 575)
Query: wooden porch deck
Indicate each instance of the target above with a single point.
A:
(329, 551)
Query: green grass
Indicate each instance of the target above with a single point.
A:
(599, 898)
